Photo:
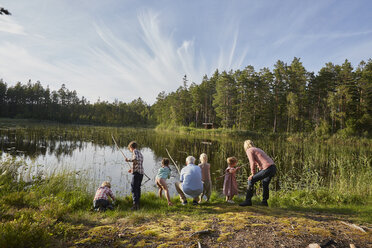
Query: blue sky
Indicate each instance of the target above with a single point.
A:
(129, 48)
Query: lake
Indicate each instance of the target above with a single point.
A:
(89, 152)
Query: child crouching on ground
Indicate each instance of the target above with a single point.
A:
(164, 174)
(230, 187)
(101, 202)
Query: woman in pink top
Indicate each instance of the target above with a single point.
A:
(258, 158)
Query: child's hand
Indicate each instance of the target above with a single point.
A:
(130, 170)
(127, 160)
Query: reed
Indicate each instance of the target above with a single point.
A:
(53, 211)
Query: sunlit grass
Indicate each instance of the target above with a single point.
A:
(58, 209)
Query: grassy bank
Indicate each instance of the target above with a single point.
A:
(56, 212)
(224, 132)
(208, 132)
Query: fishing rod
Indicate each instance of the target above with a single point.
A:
(175, 164)
(228, 172)
(116, 144)
(125, 157)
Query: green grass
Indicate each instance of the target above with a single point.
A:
(56, 210)
(357, 207)
(225, 132)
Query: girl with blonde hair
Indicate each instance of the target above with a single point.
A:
(230, 186)
(206, 177)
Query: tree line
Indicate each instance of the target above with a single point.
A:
(286, 99)
(32, 100)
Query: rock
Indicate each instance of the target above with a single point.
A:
(313, 245)
(353, 226)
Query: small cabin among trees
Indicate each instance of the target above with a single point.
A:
(208, 125)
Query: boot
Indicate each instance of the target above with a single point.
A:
(135, 206)
(248, 201)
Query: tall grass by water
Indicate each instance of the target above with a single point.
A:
(304, 162)
(53, 210)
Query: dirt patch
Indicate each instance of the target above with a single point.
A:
(237, 227)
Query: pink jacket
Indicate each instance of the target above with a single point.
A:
(259, 158)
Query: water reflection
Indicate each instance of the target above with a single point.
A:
(91, 152)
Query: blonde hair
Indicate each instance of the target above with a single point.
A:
(231, 160)
(106, 184)
(248, 144)
(203, 158)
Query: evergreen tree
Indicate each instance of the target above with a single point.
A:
(225, 99)
(279, 91)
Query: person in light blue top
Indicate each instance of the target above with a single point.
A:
(161, 177)
(164, 171)
(191, 181)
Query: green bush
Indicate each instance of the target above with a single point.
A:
(17, 199)
(323, 130)
(24, 232)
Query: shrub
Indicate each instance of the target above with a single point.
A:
(24, 232)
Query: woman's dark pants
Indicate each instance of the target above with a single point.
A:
(265, 176)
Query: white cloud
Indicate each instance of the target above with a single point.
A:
(123, 51)
(9, 25)
(158, 65)
(115, 62)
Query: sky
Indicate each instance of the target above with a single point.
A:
(126, 49)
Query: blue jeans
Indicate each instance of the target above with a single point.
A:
(136, 187)
(265, 176)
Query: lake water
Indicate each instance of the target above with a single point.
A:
(90, 152)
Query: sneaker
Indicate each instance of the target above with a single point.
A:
(230, 201)
(194, 203)
(245, 203)
(184, 203)
(135, 207)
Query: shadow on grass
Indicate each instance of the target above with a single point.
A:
(153, 207)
